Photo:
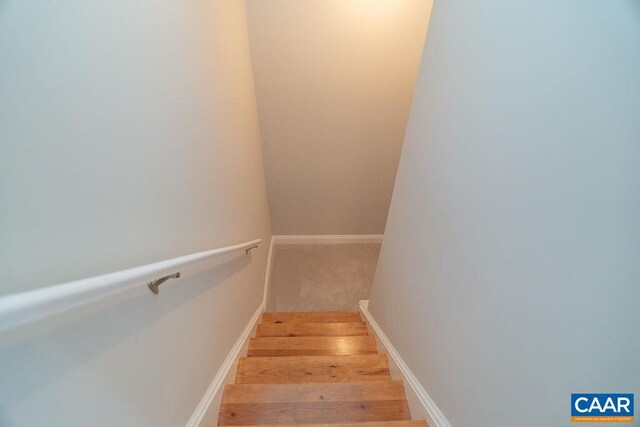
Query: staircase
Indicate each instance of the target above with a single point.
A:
(314, 369)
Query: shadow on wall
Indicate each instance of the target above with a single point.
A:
(321, 277)
(57, 349)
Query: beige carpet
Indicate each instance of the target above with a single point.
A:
(321, 277)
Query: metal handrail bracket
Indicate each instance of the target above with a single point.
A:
(154, 284)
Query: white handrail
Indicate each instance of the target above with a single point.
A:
(24, 307)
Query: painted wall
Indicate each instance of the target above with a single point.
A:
(509, 275)
(334, 81)
(128, 135)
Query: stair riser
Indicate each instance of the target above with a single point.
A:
(311, 329)
(312, 369)
(303, 317)
(312, 346)
(315, 392)
(309, 412)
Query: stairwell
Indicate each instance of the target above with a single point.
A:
(314, 369)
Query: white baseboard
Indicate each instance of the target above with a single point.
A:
(420, 404)
(207, 410)
(326, 239)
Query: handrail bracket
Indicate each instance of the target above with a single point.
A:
(246, 251)
(154, 285)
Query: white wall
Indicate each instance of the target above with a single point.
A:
(509, 275)
(128, 135)
(334, 81)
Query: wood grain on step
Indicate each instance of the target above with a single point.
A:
(311, 346)
(318, 392)
(311, 329)
(233, 414)
(312, 369)
(312, 317)
(406, 423)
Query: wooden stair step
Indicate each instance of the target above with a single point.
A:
(312, 317)
(312, 369)
(343, 329)
(233, 414)
(406, 423)
(315, 369)
(310, 392)
(311, 346)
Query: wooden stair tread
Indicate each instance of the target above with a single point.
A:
(343, 329)
(311, 346)
(304, 412)
(310, 392)
(312, 369)
(312, 317)
(406, 423)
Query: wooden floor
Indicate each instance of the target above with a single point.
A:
(316, 370)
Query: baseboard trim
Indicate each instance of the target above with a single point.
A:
(326, 239)
(214, 392)
(416, 394)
